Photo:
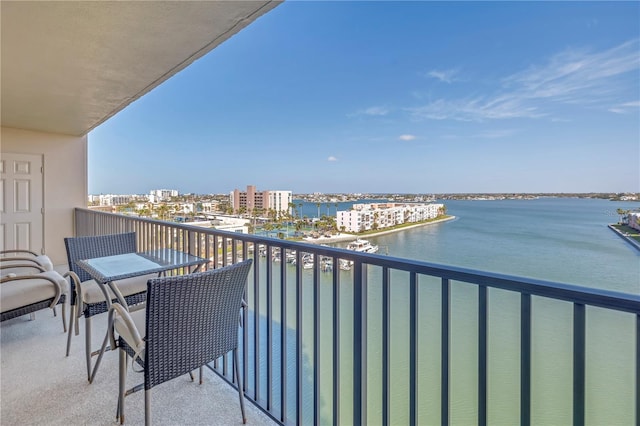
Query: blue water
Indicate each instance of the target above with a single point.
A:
(557, 239)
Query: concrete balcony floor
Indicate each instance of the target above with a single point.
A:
(40, 386)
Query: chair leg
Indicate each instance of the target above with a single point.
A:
(77, 314)
(240, 391)
(147, 407)
(72, 320)
(87, 345)
(96, 365)
(201, 376)
(122, 374)
(64, 317)
(32, 316)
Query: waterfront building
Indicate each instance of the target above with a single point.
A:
(261, 202)
(633, 219)
(158, 195)
(365, 217)
(114, 200)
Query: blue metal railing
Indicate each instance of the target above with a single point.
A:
(281, 291)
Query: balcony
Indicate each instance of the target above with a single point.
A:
(388, 341)
(40, 386)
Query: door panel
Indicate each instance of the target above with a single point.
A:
(21, 202)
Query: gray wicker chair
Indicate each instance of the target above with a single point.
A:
(86, 297)
(189, 321)
(28, 297)
(26, 256)
(29, 293)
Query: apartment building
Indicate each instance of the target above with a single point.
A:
(364, 217)
(158, 195)
(260, 201)
(634, 220)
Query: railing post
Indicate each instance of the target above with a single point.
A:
(578, 363)
(482, 355)
(445, 347)
(316, 339)
(359, 344)
(525, 359)
(299, 370)
(336, 341)
(283, 338)
(637, 413)
(386, 343)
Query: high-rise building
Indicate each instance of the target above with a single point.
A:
(158, 195)
(261, 202)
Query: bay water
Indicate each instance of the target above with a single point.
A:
(557, 239)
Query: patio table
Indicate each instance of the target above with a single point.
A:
(109, 269)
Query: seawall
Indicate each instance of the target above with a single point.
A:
(625, 237)
(353, 237)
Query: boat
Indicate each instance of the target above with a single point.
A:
(345, 265)
(362, 246)
(307, 261)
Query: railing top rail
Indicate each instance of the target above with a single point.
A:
(571, 293)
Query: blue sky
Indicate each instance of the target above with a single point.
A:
(394, 97)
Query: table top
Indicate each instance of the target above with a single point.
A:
(111, 268)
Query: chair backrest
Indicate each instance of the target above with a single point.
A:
(192, 320)
(79, 248)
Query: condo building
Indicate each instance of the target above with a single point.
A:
(261, 202)
(158, 195)
(365, 217)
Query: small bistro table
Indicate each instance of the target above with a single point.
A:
(109, 269)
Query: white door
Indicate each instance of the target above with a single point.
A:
(21, 202)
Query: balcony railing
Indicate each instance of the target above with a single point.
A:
(334, 336)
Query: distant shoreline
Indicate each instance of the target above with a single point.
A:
(352, 237)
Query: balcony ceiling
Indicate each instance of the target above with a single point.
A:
(67, 66)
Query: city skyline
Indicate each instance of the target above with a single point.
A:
(387, 97)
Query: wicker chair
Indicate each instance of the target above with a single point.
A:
(86, 296)
(26, 256)
(12, 266)
(189, 321)
(29, 293)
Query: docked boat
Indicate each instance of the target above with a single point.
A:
(362, 246)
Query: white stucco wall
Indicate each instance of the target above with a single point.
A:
(65, 181)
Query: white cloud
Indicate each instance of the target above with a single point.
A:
(446, 76)
(574, 77)
(406, 137)
(496, 134)
(625, 108)
(373, 111)
(332, 158)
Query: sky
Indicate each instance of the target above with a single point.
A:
(393, 97)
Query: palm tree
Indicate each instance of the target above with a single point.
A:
(163, 209)
(318, 206)
(622, 213)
